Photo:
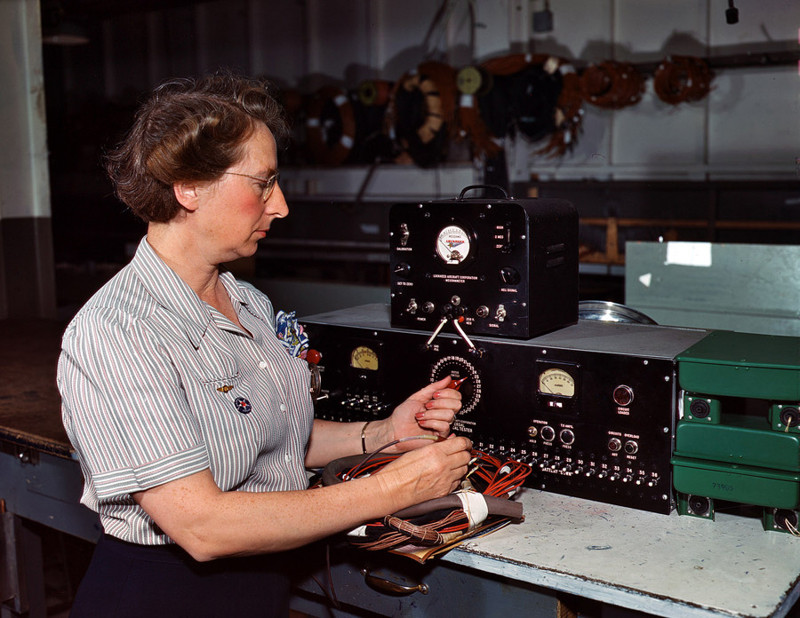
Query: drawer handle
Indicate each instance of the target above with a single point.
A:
(393, 587)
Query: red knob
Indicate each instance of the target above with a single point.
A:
(456, 384)
(313, 357)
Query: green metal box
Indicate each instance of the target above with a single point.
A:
(742, 365)
(735, 483)
(742, 440)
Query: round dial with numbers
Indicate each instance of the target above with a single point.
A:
(556, 381)
(364, 357)
(453, 244)
(465, 378)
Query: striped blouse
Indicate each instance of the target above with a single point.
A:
(157, 385)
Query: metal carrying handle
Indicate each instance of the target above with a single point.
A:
(470, 187)
(392, 587)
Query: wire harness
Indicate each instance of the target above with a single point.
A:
(484, 498)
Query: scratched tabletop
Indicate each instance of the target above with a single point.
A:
(30, 412)
(667, 565)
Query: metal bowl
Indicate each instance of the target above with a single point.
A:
(606, 311)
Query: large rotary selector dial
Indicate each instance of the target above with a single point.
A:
(453, 244)
(465, 378)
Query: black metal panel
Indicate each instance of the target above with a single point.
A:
(592, 423)
(506, 268)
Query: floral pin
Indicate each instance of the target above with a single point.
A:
(291, 334)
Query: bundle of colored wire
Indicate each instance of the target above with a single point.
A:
(421, 114)
(473, 82)
(330, 126)
(612, 85)
(682, 79)
(568, 114)
(563, 121)
(501, 478)
(437, 521)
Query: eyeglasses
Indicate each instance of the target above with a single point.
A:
(267, 184)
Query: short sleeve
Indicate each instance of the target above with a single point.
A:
(123, 405)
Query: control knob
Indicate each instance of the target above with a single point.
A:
(567, 436)
(403, 270)
(509, 275)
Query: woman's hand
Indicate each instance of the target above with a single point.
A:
(429, 411)
(426, 473)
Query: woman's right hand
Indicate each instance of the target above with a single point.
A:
(426, 473)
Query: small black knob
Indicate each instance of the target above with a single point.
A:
(509, 276)
(403, 270)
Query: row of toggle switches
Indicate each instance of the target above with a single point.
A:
(573, 469)
(455, 309)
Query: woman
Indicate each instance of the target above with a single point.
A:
(192, 423)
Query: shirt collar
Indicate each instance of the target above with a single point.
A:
(172, 292)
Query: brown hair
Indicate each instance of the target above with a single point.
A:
(188, 130)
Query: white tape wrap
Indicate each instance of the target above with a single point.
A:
(360, 531)
(474, 506)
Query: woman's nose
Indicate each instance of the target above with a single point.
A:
(276, 204)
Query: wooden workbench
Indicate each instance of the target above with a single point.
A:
(29, 399)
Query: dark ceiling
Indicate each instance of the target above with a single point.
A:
(98, 9)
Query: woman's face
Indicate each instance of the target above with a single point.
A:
(233, 215)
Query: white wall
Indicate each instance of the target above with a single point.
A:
(747, 128)
(27, 286)
(24, 188)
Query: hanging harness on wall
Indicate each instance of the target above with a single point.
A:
(330, 126)
(612, 85)
(294, 105)
(474, 81)
(682, 79)
(374, 92)
(569, 110)
(536, 96)
(522, 97)
(483, 498)
(372, 145)
(421, 114)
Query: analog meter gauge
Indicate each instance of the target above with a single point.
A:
(364, 357)
(556, 381)
(557, 386)
(453, 244)
(465, 378)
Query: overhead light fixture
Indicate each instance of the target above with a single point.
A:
(543, 20)
(66, 33)
(58, 28)
(731, 13)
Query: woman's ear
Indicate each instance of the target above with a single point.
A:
(187, 194)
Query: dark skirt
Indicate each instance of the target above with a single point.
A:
(126, 580)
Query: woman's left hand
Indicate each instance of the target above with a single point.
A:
(430, 411)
